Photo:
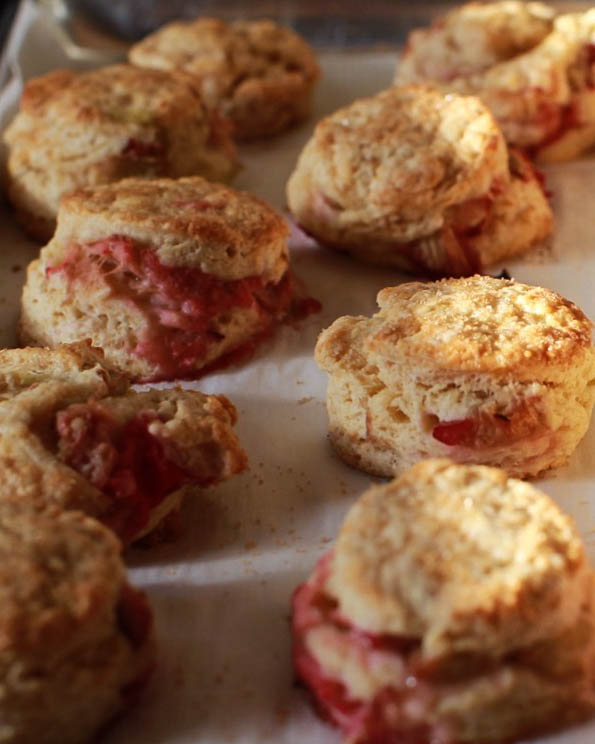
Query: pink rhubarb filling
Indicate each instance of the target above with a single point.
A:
(384, 718)
(182, 306)
(124, 461)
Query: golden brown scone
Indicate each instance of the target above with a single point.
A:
(478, 369)
(456, 606)
(534, 71)
(165, 276)
(419, 180)
(76, 641)
(69, 439)
(258, 74)
(79, 129)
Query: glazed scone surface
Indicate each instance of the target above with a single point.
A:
(417, 179)
(73, 438)
(167, 276)
(77, 129)
(456, 606)
(75, 639)
(537, 79)
(479, 369)
(257, 73)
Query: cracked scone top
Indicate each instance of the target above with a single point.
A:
(77, 129)
(73, 437)
(532, 69)
(166, 276)
(457, 605)
(76, 641)
(478, 369)
(256, 73)
(420, 180)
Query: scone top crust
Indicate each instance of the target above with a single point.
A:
(60, 578)
(227, 55)
(79, 365)
(479, 325)
(75, 111)
(395, 162)
(463, 558)
(476, 36)
(188, 222)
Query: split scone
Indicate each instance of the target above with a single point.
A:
(419, 180)
(534, 71)
(478, 369)
(76, 129)
(457, 605)
(258, 74)
(72, 436)
(76, 645)
(167, 277)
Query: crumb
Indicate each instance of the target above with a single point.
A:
(16, 268)
(301, 401)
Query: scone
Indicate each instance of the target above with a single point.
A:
(457, 605)
(419, 180)
(534, 71)
(167, 277)
(256, 73)
(76, 641)
(72, 437)
(79, 129)
(478, 369)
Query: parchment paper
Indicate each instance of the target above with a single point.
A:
(221, 593)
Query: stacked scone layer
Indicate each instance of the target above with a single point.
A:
(534, 71)
(255, 73)
(79, 129)
(165, 276)
(479, 369)
(76, 641)
(456, 606)
(420, 180)
(73, 436)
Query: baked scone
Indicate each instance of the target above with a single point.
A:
(167, 277)
(78, 129)
(457, 605)
(72, 437)
(419, 180)
(478, 369)
(76, 640)
(256, 73)
(534, 71)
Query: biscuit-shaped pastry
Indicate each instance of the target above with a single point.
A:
(478, 369)
(70, 439)
(456, 606)
(531, 69)
(256, 73)
(165, 276)
(75, 130)
(419, 180)
(76, 641)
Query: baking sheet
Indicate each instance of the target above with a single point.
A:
(221, 593)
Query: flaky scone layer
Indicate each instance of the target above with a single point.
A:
(420, 180)
(78, 129)
(70, 439)
(457, 605)
(479, 369)
(76, 640)
(257, 73)
(531, 69)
